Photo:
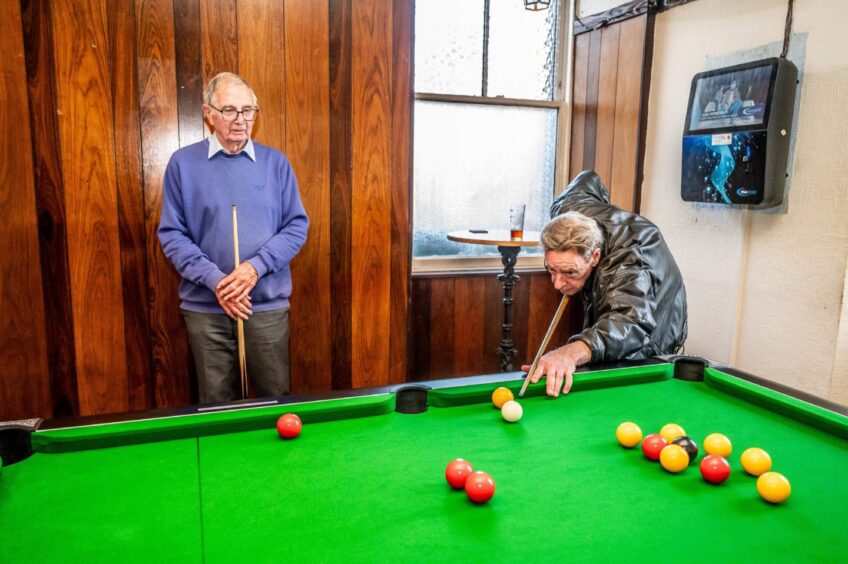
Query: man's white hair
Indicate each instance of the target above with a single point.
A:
(572, 231)
(222, 77)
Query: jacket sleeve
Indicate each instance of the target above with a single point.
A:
(191, 262)
(280, 249)
(625, 319)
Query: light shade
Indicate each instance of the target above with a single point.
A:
(536, 5)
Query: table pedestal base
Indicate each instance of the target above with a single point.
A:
(509, 256)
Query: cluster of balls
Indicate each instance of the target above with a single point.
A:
(479, 486)
(503, 399)
(289, 425)
(676, 451)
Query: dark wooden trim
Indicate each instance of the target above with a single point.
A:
(189, 70)
(647, 62)
(341, 165)
(131, 228)
(401, 184)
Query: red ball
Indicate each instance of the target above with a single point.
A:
(652, 445)
(457, 473)
(715, 469)
(480, 487)
(289, 425)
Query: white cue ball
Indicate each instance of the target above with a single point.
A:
(512, 411)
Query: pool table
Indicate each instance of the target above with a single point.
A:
(365, 482)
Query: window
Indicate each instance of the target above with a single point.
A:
(488, 114)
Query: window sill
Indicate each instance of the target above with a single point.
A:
(466, 265)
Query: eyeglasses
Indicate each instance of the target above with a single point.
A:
(570, 274)
(231, 114)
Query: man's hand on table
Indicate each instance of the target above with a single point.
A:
(559, 366)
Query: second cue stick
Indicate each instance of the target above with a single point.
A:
(239, 321)
(545, 341)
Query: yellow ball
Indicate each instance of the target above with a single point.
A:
(718, 444)
(628, 434)
(501, 395)
(672, 431)
(674, 458)
(755, 461)
(774, 487)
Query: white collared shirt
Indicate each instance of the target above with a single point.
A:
(215, 147)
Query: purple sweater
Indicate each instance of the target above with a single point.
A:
(196, 229)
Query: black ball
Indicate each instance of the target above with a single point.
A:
(690, 446)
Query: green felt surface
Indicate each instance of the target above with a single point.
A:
(372, 489)
(126, 504)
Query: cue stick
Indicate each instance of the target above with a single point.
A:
(239, 321)
(545, 341)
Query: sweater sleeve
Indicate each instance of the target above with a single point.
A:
(625, 318)
(191, 262)
(280, 249)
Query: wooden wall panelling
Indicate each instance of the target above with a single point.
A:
(83, 94)
(644, 94)
(609, 108)
(50, 207)
(159, 124)
(261, 61)
(371, 87)
(401, 181)
(218, 37)
(308, 147)
(606, 124)
(592, 80)
(578, 105)
(628, 98)
(24, 390)
(469, 318)
(442, 327)
(420, 329)
(457, 322)
(189, 70)
(121, 18)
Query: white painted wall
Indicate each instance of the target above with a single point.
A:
(766, 290)
(591, 7)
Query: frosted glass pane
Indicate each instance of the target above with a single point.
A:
(471, 163)
(522, 50)
(449, 46)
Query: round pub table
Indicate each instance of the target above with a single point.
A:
(509, 249)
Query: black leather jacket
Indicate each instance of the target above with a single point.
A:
(635, 299)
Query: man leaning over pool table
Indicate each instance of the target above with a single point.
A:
(633, 293)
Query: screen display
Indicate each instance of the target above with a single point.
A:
(731, 99)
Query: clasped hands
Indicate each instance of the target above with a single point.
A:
(233, 291)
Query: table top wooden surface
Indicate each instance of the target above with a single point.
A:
(498, 237)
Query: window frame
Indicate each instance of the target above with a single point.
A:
(561, 102)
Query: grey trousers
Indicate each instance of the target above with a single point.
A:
(214, 344)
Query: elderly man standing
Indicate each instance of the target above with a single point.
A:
(203, 182)
(635, 301)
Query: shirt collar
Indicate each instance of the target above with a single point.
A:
(215, 148)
